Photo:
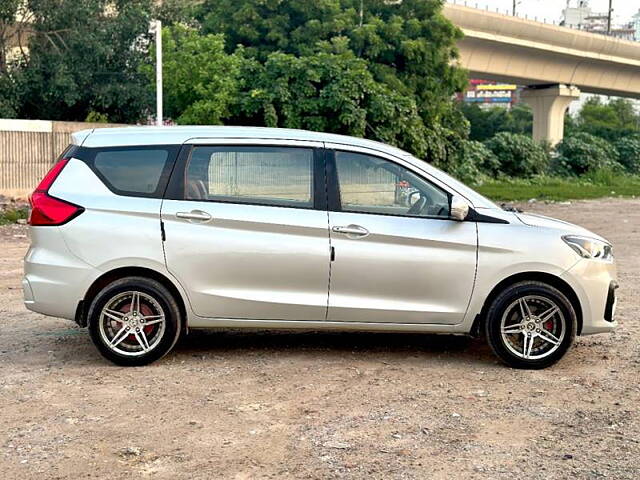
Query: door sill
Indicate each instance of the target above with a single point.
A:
(199, 322)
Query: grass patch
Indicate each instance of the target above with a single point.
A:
(559, 189)
(12, 215)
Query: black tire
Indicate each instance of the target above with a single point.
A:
(534, 294)
(165, 335)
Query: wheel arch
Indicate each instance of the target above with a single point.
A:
(543, 277)
(122, 272)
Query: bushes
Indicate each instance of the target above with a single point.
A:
(629, 153)
(12, 215)
(473, 160)
(478, 154)
(518, 155)
(598, 156)
(582, 153)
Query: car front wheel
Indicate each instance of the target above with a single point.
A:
(134, 321)
(530, 325)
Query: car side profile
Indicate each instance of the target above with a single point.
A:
(144, 233)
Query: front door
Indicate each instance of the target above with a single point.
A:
(398, 258)
(245, 234)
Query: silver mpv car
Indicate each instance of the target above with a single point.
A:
(143, 233)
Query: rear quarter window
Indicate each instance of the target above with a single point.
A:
(132, 171)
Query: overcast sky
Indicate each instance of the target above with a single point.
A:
(552, 9)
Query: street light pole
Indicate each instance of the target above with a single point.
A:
(609, 17)
(158, 28)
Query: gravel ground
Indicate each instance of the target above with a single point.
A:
(321, 405)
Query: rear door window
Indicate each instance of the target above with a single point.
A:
(277, 176)
(140, 171)
(132, 171)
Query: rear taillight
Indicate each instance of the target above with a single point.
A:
(48, 210)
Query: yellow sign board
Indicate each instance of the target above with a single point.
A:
(496, 87)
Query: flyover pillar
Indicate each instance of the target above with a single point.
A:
(549, 106)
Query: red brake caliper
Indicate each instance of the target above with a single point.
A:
(145, 311)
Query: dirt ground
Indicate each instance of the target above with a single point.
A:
(321, 405)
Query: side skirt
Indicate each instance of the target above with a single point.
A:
(199, 322)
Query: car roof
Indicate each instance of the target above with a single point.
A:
(129, 136)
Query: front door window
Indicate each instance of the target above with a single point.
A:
(374, 185)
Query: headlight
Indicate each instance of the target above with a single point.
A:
(590, 247)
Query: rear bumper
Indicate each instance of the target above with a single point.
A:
(54, 279)
(595, 285)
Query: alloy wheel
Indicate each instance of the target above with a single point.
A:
(132, 323)
(533, 327)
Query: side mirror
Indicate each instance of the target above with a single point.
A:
(459, 208)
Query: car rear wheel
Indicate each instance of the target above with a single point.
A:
(531, 325)
(134, 321)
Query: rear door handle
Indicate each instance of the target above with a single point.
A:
(194, 215)
(352, 230)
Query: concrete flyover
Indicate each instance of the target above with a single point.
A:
(555, 63)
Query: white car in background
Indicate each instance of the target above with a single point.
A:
(143, 233)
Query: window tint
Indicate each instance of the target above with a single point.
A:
(374, 185)
(280, 176)
(131, 171)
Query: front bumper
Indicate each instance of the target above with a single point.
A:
(612, 302)
(595, 285)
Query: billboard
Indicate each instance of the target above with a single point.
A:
(482, 91)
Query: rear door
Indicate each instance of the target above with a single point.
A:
(247, 229)
(398, 256)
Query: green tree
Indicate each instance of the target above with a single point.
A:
(9, 10)
(327, 92)
(95, 117)
(172, 12)
(407, 47)
(611, 121)
(518, 155)
(8, 97)
(200, 78)
(487, 122)
(9, 32)
(82, 57)
(519, 120)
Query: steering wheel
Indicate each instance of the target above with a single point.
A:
(417, 207)
(442, 212)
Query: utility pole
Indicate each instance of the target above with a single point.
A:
(609, 17)
(158, 29)
(515, 5)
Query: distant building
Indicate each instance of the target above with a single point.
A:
(636, 26)
(575, 16)
(625, 32)
(578, 15)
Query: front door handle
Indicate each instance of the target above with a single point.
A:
(194, 215)
(352, 230)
